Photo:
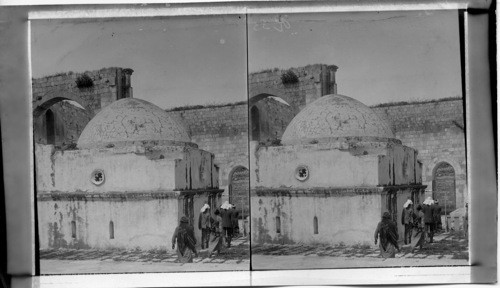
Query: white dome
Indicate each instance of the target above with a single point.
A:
(128, 121)
(335, 116)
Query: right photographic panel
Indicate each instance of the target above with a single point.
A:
(357, 140)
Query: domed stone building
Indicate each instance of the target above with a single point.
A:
(133, 175)
(338, 169)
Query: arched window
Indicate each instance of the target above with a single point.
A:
(50, 129)
(73, 229)
(278, 224)
(315, 224)
(255, 123)
(111, 230)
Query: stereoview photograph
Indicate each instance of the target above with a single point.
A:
(357, 151)
(140, 135)
(220, 143)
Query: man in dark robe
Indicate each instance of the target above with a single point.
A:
(388, 234)
(186, 242)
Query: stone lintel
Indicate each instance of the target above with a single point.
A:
(395, 188)
(200, 191)
(317, 192)
(118, 196)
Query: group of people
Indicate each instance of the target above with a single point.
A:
(419, 227)
(217, 231)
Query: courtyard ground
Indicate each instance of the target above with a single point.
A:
(86, 261)
(447, 249)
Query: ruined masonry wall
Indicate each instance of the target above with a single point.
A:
(69, 124)
(274, 118)
(49, 91)
(105, 82)
(436, 131)
(312, 84)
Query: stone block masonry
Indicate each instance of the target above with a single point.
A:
(69, 122)
(222, 130)
(273, 118)
(436, 130)
(108, 85)
(313, 81)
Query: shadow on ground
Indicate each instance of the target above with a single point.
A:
(452, 245)
(239, 251)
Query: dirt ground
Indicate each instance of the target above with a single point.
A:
(83, 261)
(447, 249)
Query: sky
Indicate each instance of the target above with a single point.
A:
(177, 61)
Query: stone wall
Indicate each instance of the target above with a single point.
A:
(109, 85)
(69, 122)
(274, 167)
(313, 81)
(131, 169)
(145, 220)
(288, 216)
(221, 130)
(80, 221)
(273, 119)
(436, 130)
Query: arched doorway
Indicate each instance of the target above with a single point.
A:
(443, 186)
(50, 128)
(255, 123)
(239, 182)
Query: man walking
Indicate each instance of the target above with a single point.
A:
(429, 212)
(204, 224)
(407, 220)
(227, 224)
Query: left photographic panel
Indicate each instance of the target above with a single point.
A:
(140, 138)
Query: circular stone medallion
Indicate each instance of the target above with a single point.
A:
(302, 173)
(97, 177)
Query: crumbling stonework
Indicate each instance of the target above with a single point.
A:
(69, 123)
(313, 82)
(273, 119)
(108, 85)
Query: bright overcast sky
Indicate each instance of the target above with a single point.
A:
(382, 57)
